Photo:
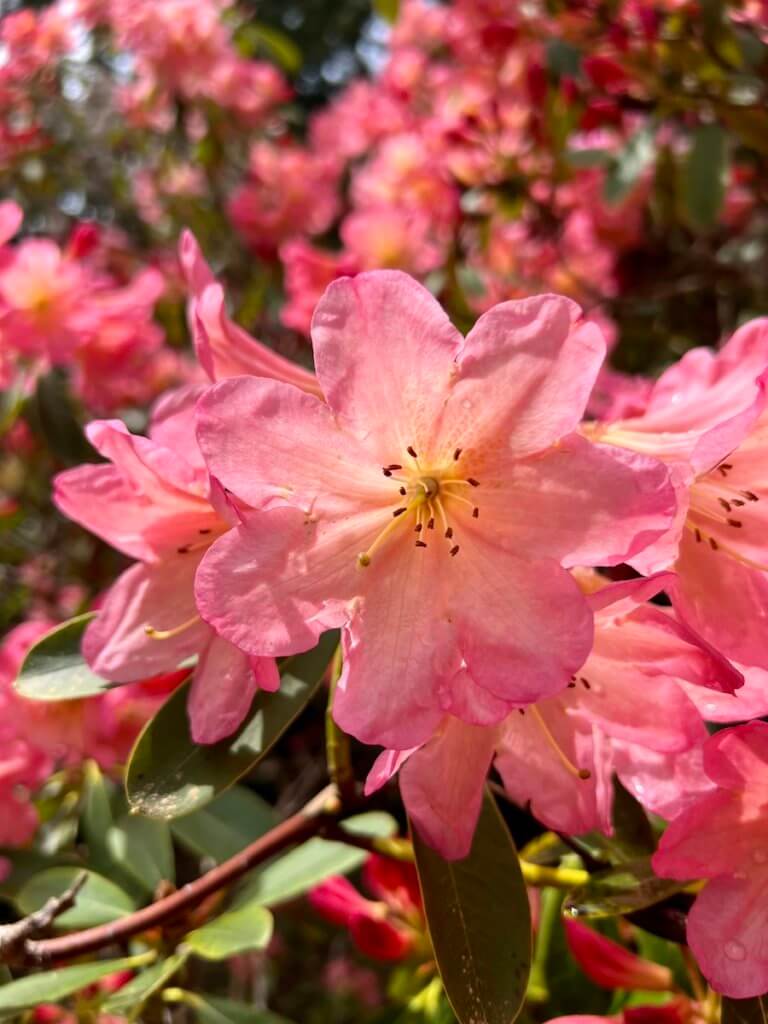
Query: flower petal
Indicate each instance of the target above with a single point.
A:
(384, 352)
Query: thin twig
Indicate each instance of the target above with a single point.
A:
(14, 937)
(310, 821)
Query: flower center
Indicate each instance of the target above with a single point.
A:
(717, 504)
(424, 498)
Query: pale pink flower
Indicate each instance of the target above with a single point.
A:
(308, 271)
(386, 236)
(559, 755)
(723, 837)
(154, 501)
(705, 417)
(428, 506)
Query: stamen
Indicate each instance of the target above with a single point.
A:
(364, 557)
(713, 543)
(449, 532)
(411, 451)
(399, 512)
(734, 522)
(464, 501)
(457, 454)
(475, 512)
(697, 534)
(167, 634)
(403, 491)
(420, 544)
(454, 550)
(725, 504)
(431, 523)
(472, 482)
(207, 530)
(186, 549)
(750, 496)
(579, 773)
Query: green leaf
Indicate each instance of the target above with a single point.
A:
(256, 37)
(245, 925)
(629, 164)
(632, 832)
(54, 668)
(220, 1010)
(704, 176)
(132, 996)
(226, 826)
(170, 775)
(744, 1011)
(387, 9)
(53, 417)
(479, 919)
(294, 873)
(52, 986)
(620, 890)
(98, 902)
(144, 849)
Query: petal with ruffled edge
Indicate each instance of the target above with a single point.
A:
(525, 373)
(581, 503)
(723, 600)
(270, 443)
(223, 687)
(274, 584)
(116, 644)
(442, 786)
(399, 650)
(147, 504)
(384, 353)
(728, 933)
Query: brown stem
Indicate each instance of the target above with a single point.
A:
(308, 822)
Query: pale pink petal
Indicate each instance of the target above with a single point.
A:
(116, 644)
(384, 352)
(666, 784)
(523, 627)
(532, 771)
(269, 442)
(172, 423)
(525, 373)
(442, 786)
(749, 701)
(723, 600)
(738, 759)
(463, 698)
(386, 765)
(728, 934)
(582, 503)
(399, 651)
(223, 688)
(274, 584)
(148, 504)
(721, 440)
(223, 348)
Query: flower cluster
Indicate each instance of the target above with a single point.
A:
(442, 501)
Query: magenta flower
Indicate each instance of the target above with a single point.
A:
(611, 965)
(723, 837)
(154, 502)
(560, 754)
(428, 506)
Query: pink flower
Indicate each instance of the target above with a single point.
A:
(705, 418)
(223, 348)
(559, 755)
(69, 731)
(391, 237)
(154, 502)
(428, 506)
(611, 965)
(385, 930)
(308, 272)
(723, 837)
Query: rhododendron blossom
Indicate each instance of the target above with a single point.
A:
(723, 837)
(156, 503)
(427, 506)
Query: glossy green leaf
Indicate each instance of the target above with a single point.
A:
(131, 997)
(705, 176)
(244, 926)
(54, 668)
(227, 825)
(98, 902)
(479, 920)
(620, 890)
(170, 775)
(51, 986)
(297, 871)
(143, 848)
(744, 1011)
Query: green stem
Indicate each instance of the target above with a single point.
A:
(337, 753)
